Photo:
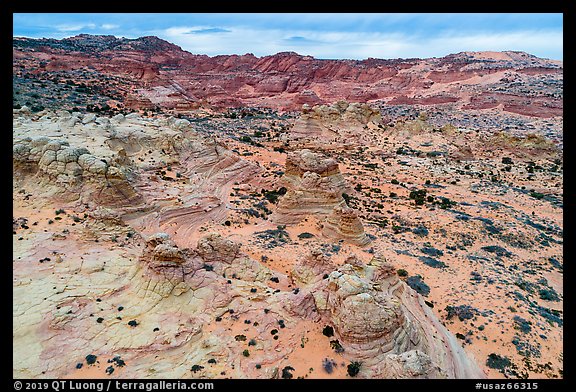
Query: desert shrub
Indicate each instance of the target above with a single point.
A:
(328, 331)
(522, 324)
(402, 272)
(328, 365)
(286, 372)
(548, 295)
(416, 283)
(464, 312)
(354, 368)
(196, 368)
(336, 346)
(496, 361)
(536, 195)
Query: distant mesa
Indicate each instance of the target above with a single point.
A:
(174, 79)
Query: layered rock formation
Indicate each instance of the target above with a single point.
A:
(75, 170)
(229, 261)
(343, 223)
(211, 170)
(104, 223)
(351, 113)
(379, 320)
(169, 77)
(165, 269)
(463, 144)
(131, 152)
(315, 186)
(339, 125)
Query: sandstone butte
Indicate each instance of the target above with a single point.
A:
(211, 233)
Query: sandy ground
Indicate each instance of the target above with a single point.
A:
(491, 330)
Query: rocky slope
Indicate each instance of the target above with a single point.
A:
(149, 73)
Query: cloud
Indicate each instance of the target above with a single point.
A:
(75, 27)
(184, 30)
(299, 40)
(209, 31)
(361, 45)
(329, 35)
(109, 26)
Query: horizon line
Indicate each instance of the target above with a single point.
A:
(284, 52)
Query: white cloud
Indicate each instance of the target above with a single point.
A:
(75, 27)
(109, 26)
(359, 45)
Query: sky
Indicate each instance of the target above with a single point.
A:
(324, 36)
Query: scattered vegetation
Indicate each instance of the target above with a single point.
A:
(286, 372)
(536, 195)
(336, 346)
(416, 283)
(305, 235)
(549, 294)
(496, 361)
(418, 196)
(91, 359)
(464, 312)
(328, 331)
(497, 250)
(328, 365)
(272, 196)
(196, 368)
(522, 324)
(432, 262)
(354, 368)
(402, 272)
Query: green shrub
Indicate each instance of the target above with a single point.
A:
(537, 195)
(354, 368)
(286, 372)
(196, 368)
(402, 272)
(328, 331)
